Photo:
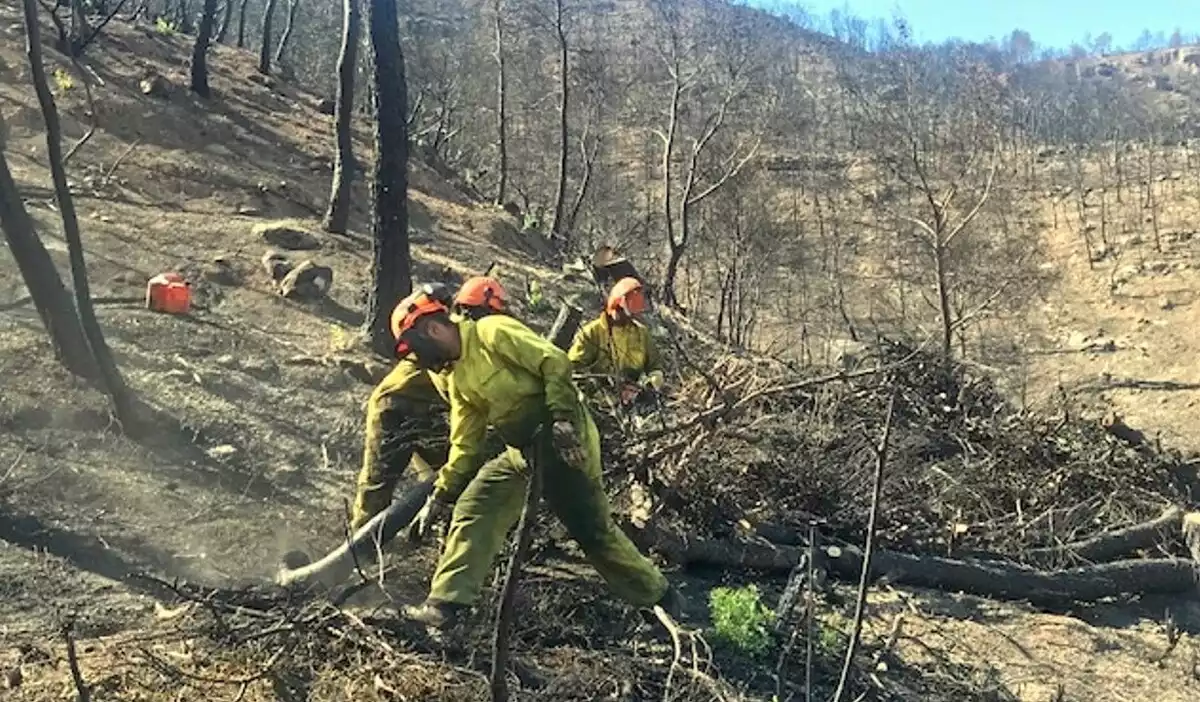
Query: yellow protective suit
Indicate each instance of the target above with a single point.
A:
(406, 418)
(510, 378)
(624, 350)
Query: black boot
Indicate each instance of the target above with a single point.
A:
(436, 614)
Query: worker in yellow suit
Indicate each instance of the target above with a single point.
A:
(503, 375)
(407, 412)
(617, 343)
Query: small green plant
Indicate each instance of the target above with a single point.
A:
(63, 81)
(741, 619)
(165, 27)
(536, 299)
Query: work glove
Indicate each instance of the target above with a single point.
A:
(566, 442)
(433, 514)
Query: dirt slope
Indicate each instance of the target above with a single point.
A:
(267, 443)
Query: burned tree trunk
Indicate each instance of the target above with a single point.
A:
(50, 296)
(114, 384)
(337, 217)
(241, 38)
(264, 52)
(293, 6)
(200, 49)
(226, 20)
(389, 181)
(996, 579)
(501, 103)
(560, 192)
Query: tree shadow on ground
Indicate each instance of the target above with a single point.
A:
(91, 554)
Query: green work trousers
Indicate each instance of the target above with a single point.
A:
(491, 505)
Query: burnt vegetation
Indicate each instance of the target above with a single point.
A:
(845, 234)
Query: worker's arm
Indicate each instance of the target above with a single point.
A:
(468, 428)
(523, 348)
(584, 349)
(653, 369)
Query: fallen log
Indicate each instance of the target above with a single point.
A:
(1111, 545)
(995, 579)
(1101, 548)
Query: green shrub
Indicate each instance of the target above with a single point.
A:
(741, 619)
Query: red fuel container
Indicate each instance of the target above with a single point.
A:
(169, 293)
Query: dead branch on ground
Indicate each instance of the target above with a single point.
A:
(497, 681)
(860, 605)
(82, 692)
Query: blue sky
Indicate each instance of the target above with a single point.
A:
(1055, 23)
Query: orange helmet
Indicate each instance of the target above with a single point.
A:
(482, 292)
(628, 295)
(427, 300)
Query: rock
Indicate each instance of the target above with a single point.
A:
(222, 451)
(1166, 303)
(326, 106)
(1159, 267)
(276, 265)
(226, 361)
(13, 678)
(286, 235)
(307, 281)
(155, 85)
(249, 211)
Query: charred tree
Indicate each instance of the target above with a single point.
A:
(50, 296)
(293, 6)
(389, 180)
(226, 20)
(241, 39)
(337, 217)
(564, 91)
(501, 102)
(114, 384)
(200, 49)
(264, 52)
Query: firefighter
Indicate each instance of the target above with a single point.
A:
(617, 343)
(406, 414)
(501, 374)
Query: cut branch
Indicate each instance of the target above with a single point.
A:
(1003, 581)
(498, 681)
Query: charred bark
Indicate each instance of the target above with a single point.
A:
(200, 50)
(501, 103)
(293, 6)
(241, 37)
(226, 21)
(41, 277)
(389, 182)
(995, 579)
(264, 51)
(337, 217)
(114, 384)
